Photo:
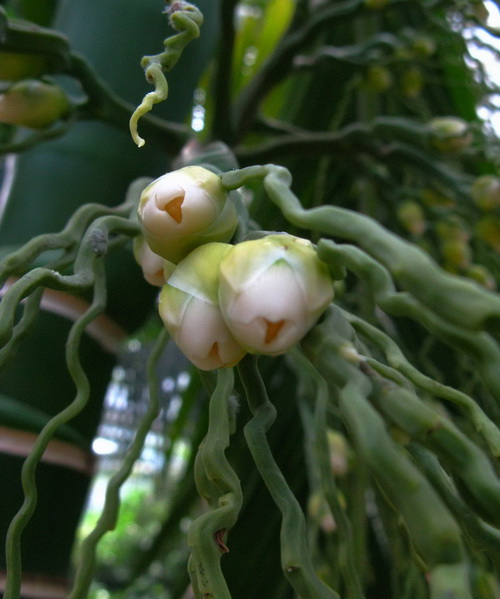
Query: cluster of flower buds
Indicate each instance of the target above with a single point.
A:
(220, 301)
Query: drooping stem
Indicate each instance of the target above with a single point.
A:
(218, 483)
(186, 19)
(295, 554)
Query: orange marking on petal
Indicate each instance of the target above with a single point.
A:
(272, 330)
(174, 208)
(214, 351)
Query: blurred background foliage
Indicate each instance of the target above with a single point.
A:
(384, 107)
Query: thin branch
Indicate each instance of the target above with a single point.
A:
(222, 127)
(277, 67)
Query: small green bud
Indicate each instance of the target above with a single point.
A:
(449, 135)
(488, 229)
(377, 78)
(480, 274)
(272, 291)
(456, 253)
(412, 217)
(486, 192)
(431, 197)
(320, 513)
(376, 4)
(184, 209)
(424, 46)
(189, 308)
(21, 65)
(412, 82)
(155, 269)
(339, 452)
(33, 104)
(452, 229)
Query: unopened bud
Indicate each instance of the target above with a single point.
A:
(33, 104)
(424, 46)
(480, 274)
(339, 453)
(456, 253)
(189, 308)
(452, 229)
(412, 217)
(486, 192)
(412, 82)
(449, 135)
(21, 65)
(272, 291)
(156, 270)
(184, 209)
(488, 229)
(320, 513)
(376, 4)
(377, 78)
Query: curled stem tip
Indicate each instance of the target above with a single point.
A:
(154, 74)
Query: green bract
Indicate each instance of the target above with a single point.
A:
(271, 291)
(189, 308)
(184, 209)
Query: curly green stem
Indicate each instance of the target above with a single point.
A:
(21, 519)
(186, 19)
(109, 515)
(219, 484)
(94, 245)
(480, 346)
(432, 530)
(455, 299)
(397, 360)
(465, 460)
(348, 563)
(295, 554)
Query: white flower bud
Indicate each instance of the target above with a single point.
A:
(272, 290)
(183, 209)
(189, 308)
(155, 269)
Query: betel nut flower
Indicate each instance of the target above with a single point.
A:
(183, 209)
(271, 292)
(155, 269)
(33, 104)
(189, 308)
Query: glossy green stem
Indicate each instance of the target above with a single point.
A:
(219, 484)
(295, 553)
(455, 299)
